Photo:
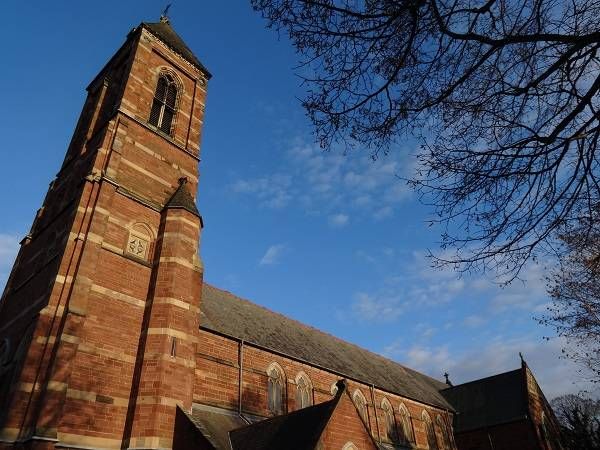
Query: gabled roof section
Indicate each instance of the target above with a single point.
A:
(215, 424)
(489, 401)
(165, 32)
(224, 313)
(182, 198)
(298, 430)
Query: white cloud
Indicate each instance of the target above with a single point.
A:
(474, 321)
(366, 257)
(338, 220)
(323, 182)
(389, 252)
(274, 191)
(376, 308)
(555, 375)
(424, 331)
(272, 255)
(383, 213)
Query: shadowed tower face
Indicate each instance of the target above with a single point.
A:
(102, 306)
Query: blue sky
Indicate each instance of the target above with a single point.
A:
(333, 240)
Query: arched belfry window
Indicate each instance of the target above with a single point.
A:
(429, 432)
(275, 389)
(164, 104)
(406, 430)
(303, 391)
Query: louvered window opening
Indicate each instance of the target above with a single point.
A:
(163, 106)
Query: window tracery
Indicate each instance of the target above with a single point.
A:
(361, 405)
(405, 426)
(390, 428)
(303, 391)
(429, 432)
(446, 439)
(275, 389)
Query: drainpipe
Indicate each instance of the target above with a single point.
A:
(375, 412)
(241, 379)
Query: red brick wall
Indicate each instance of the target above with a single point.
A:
(217, 383)
(510, 436)
(548, 438)
(345, 426)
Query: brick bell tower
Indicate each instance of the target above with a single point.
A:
(99, 318)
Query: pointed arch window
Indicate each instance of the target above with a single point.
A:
(275, 385)
(406, 430)
(389, 423)
(361, 405)
(164, 103)
(303, 392)
(446, 439)
(429, 432)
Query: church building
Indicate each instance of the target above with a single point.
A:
(110, 339)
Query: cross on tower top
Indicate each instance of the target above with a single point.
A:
(164, 18)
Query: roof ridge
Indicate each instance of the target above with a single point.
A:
(484, 379)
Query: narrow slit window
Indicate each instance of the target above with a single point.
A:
(164, 104)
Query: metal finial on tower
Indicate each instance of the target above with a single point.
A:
(164, 18)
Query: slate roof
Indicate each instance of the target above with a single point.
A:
(227, 314)
(165, 33)
(182, 198)
(488, 401)
(298, 430)
(215, 424)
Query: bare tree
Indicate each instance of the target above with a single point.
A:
(579, 419)
(575, 292)
(503, 95)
